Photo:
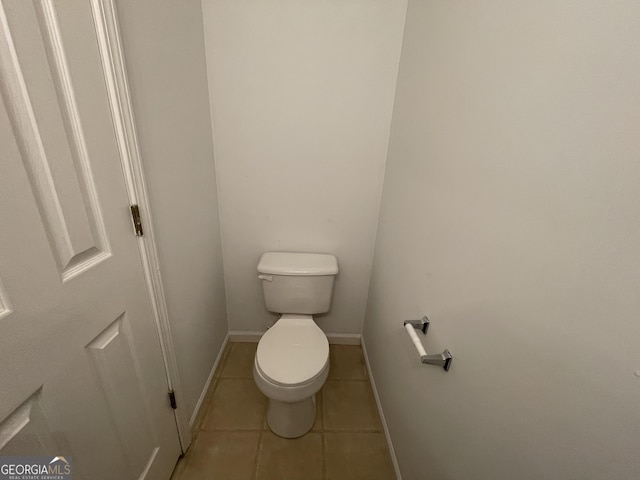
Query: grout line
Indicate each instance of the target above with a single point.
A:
(260, 437)
(352, 430)
(204, 409)
(215, 384)
(254, 472)
(267, 429)
(323, 456)
(240, 430)
(359, 380)
(322, 425)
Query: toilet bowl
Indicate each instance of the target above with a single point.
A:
(290, 367)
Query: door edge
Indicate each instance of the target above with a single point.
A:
(113, 64)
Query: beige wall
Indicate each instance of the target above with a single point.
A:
(301, 98)
(164, 49)
(510, 216)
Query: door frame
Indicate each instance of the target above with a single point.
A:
(113, 65)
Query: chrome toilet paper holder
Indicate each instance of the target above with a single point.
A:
(443, 359)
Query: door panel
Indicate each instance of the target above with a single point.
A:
(82, 373)
(64, 188)
(119, 375)
(26, 429)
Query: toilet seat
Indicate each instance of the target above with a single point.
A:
(293, 352)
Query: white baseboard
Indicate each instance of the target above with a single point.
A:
(392, 452)
(344, 338)
(334, 338)
(203, 395)
(249, 337)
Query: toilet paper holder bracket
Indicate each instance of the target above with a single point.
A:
(443, 359)
(422, 324)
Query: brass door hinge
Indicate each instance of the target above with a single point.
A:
(137, 222)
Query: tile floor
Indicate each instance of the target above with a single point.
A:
(233, 442)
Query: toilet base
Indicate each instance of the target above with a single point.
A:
(291, 420)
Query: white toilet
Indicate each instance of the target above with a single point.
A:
(292, 360)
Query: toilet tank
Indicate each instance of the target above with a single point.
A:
(297, 282)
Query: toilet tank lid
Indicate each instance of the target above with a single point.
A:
(304, 264)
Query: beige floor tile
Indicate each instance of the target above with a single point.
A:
(179, 469)
(237, 404)
(317, 425)
(349, 406)
(223, 455)
(347, 363)
(357, 456)
(223, 359)
(290, 459)
(206, 403)
(239, 362)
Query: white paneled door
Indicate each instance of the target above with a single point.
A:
(81, 368)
